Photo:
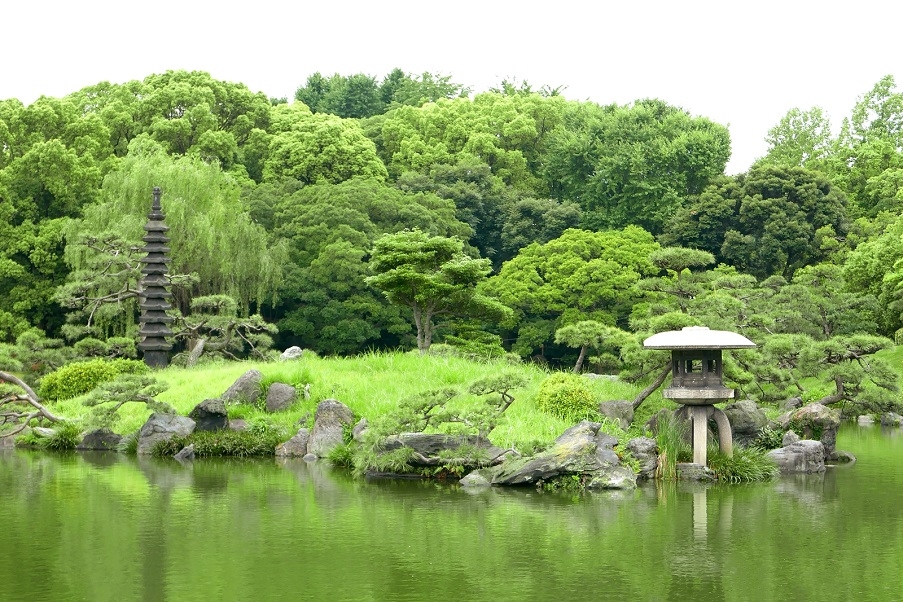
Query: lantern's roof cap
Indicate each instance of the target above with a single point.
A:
(698, 337)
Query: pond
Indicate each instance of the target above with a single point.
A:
(106, 527)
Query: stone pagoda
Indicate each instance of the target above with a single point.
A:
(696, 379)
(154, 294)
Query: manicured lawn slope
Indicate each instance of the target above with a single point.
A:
(370, 384)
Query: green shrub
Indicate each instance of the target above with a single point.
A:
(91, 347)
(567, 396)
(79, 378)
(29, 439)
(261, 427)
(342, 455)
(769, 438)
(222, 443)
(122, 347)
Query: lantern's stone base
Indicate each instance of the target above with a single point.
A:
(689, 471)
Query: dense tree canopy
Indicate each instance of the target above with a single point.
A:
(330, 229)
(360, 95)
(773, 220)
(281, 207)
(632, 164)
(580, 275)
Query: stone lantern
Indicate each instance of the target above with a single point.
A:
(696, 379)
(154, 300)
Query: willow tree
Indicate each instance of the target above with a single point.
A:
(212, 236)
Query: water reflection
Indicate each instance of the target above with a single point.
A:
(100, 526)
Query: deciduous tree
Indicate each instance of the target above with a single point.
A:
(432, 276)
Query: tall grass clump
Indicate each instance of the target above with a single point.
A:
(748, 464)
(65, 437)
(671, 436)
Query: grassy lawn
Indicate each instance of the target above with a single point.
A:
(371, 385)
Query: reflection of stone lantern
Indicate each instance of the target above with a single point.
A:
(696, 371)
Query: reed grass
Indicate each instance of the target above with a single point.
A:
(747, 464)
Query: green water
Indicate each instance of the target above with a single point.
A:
(104, 527)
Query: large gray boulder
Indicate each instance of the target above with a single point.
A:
(792, 403)
(645, 450)
(292, 353)
(162, 427)
(246, 389)
(746, 419)
(210, 415)
(475, 479)
(891, 419)
(805, 456)
(689, 471)
(296, 447)
(99, 440)
(614, 477)
(621, 411)
(185, 454)
(790, 437)
(280, 396)
(575, 452)
(331, 418)
(814, 421)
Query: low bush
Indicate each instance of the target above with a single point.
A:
(222, 443)
(342, 455)
(769, 438)
(79, 378)
(567, 396)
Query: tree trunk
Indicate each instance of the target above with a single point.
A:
(652, 387)
(418, 322)
(579, 365)
(196, 352)
(427, 326)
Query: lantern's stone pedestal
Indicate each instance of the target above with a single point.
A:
(699, 417)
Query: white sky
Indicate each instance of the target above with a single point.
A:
(742, 64)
